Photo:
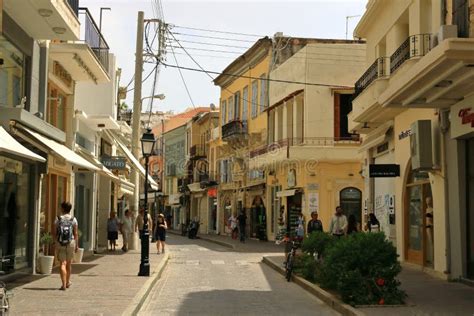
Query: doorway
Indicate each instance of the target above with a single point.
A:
(350, 200)
(258, 222)
(419, 245)
(293, 204)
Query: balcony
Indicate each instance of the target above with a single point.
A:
(86, 60)
(439, 79)
(234, 130)
(377, 70)
(198, 152)
(45, 19)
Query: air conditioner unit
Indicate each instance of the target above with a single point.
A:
(421, 145)
(447, 31)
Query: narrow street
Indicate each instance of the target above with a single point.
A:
(207, 279)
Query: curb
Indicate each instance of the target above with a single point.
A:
(144, 292)
(326, 297)
(218, 242)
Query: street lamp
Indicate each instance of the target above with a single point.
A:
(148, 143)
(160, 96)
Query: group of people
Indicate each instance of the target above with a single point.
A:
(237, 225)
(341, 225)
(114, 225)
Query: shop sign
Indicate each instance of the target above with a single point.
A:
(313, 202)
(384, 170)
(313, 186)
(462, 118)
(467, 117)
(118, 163)
(212, 192)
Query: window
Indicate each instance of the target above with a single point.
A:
(245, 103)
(237, 105)
(230, 109)
(254, 98)
(57, 103)
(263, 93)
(12, 74)
(342, 108)
(223, 112)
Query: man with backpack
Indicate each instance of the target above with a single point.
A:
(67, 242)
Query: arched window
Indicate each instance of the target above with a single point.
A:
(350, 199)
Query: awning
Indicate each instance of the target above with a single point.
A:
(377, 137)
(102, 169)
(285, 193)
(62, 151)
(126, 187)
(135, 163)
(195, 187)
(9, 145)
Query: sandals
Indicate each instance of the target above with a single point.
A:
(62, 288)
(68, 285)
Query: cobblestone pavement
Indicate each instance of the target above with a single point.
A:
(203, 278)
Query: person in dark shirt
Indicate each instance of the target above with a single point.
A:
(352, 225)
(314, 224)
(242, 219)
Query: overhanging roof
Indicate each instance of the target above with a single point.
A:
(9, 145)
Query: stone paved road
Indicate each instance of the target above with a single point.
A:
(207, 279)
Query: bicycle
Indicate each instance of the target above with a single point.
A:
(290, 259)
(4, 293)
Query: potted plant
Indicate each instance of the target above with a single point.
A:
(46, 261)
(80, 251)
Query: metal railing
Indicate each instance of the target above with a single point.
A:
(74, 5)
(198, 151)
(94, 38)
(414, 46)
(234, 128)
(307, 141)
(377, 70)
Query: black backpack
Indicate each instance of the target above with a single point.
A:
(65, 230)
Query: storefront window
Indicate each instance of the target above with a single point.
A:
(15, 222)
(12, 83)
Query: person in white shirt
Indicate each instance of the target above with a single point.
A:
(338, 225)
(126, 230)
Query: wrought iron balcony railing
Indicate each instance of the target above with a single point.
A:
(94, 38)
(377, 70)
(198, 151)
(234, 129)
(414, 46)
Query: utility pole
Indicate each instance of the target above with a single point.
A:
(137, 98)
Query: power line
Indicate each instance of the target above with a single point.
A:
(213, 37)
(182, 78)
(211, 44)
(215, 31)
(146, 78)
(206, 50)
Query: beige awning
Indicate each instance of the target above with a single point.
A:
(9, 145)
(285, 193)
(126, 187)
(135, 163)
(62, 151)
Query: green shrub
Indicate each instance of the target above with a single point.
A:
(317, 242)
(307, 266)
(362, 269)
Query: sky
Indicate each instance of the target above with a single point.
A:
(313, 19)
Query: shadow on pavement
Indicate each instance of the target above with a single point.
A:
(77, 268)
(41, 288)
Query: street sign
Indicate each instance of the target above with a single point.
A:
(384, 171)
(114, 162)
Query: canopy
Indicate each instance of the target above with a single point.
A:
(9, 145)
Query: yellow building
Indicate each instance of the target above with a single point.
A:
(413, 104)
(311, 159)
(243, 122)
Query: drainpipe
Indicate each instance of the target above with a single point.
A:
(444, 127)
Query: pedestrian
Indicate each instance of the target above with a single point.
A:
(113, 224)
(160, 233)
(373, 225)
(139, 222)
(352, 224)
(314, 225)
(126, 230)
(242, 219)
(67, 242)
(338, 225)
(233, 226)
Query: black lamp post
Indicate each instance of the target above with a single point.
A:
(148, 142)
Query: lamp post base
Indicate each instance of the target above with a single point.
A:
(144, 269)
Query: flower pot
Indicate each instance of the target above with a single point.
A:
(46, 264)
(78, 255)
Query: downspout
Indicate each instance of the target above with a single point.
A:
(444, 128)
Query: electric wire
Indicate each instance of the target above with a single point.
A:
(213, 37)
(210, 44)
(182, 79)
(214, 31)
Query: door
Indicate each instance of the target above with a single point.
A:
(350, 200)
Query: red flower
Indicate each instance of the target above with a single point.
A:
(380, 282)
(381, 301)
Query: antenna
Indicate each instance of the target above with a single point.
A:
(347, 22)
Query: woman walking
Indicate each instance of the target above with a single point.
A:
(352, 224)
(112, 230)
(373, 225)
(160, 234)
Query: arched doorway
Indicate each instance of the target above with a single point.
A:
(258, 222)
(418, 219)
(350, 199)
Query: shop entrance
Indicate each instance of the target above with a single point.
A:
(258, 220)
(419, 220)
(293, 204)
(350, 200)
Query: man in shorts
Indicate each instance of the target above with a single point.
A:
(65, 252)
